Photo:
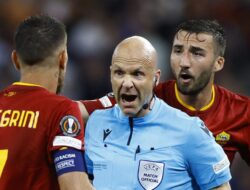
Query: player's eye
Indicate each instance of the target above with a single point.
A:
(198, 53)
(177, 50)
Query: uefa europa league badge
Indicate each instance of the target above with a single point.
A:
(150, 174)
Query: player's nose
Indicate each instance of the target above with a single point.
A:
(185, 60)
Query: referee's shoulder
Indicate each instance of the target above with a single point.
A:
(174, 112)
(102, 113)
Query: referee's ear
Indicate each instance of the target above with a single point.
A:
(15, 60)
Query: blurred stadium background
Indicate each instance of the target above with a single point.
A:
(96, 26)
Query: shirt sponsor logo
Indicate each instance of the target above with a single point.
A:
(70, 126)
(222, 138)
(150, 174)
(221, 165)
(67, 141)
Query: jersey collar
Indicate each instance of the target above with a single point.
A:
(25, 84)
(191, 107)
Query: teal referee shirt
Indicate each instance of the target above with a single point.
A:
(166, 149)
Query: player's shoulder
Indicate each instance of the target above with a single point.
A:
(55, 98)
(231, 97)
(168, 83)
(232, 102)
(55, 101)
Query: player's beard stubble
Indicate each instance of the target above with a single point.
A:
(198, 84)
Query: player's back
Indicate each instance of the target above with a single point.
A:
(28, 116)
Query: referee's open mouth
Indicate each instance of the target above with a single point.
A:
(128, 97)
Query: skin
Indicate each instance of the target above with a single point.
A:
(194, 62)
(225, 186)
(50, 75)
(74, 180)
(84, 112)
(134, 75)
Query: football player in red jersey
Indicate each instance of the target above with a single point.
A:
(41, 133)
(197, 54)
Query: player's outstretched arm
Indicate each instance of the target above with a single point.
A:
(74, 181)
(88, 106)
(83, 110)
(225, 186)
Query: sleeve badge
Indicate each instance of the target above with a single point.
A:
(70, 126)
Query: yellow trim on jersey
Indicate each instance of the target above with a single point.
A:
(211, 102)
(191, 107)
(25, 84)
(63, 148)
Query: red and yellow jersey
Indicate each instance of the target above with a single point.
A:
(33, 123)
(227, 115)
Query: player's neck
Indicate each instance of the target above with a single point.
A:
(40, 76)
(198, 101)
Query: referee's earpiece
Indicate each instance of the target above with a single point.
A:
(155, 80)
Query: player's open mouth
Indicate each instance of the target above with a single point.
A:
(185, 77)
(128, 98)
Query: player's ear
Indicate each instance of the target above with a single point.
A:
(15, 60)
(219, 63)
(63, 59)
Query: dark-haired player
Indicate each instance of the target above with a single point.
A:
(41, 133)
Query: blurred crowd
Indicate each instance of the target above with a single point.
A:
(96, 26)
